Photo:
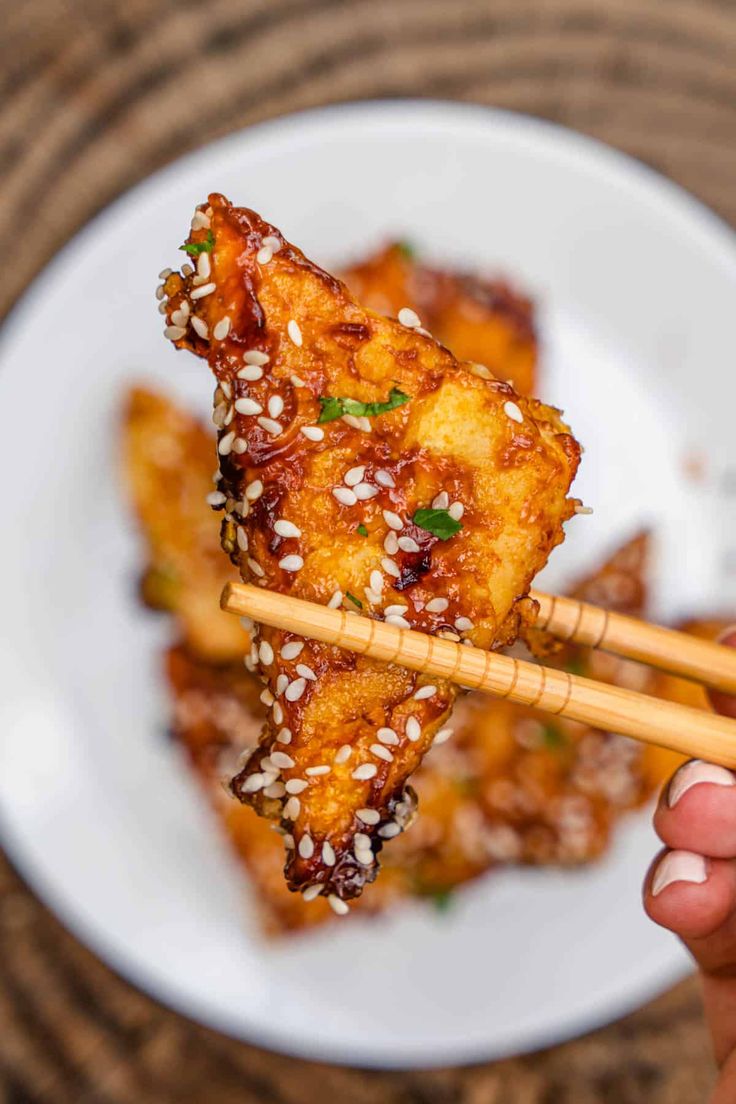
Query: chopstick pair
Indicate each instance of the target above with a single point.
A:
(692, 732)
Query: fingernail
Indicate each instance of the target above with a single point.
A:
(694, 772)
(678, 866)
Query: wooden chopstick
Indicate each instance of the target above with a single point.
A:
(692, 732)
(703, 661)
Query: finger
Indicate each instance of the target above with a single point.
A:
(697, 810)
(694, 897)
(725, 703)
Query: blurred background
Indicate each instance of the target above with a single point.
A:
(96, 95)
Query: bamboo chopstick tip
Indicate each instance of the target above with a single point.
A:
(227, 598)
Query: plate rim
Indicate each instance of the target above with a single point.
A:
(694, 217)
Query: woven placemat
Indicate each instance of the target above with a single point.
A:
(94, 95)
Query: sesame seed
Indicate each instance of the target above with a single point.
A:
(256, 569)
(306, 672)
(201, 292)
(387, 736)
(216, 498)
(265, 652)
(248, 406)
(583, 509)
(291, 563)
(272, 242)
(222, 329)
(365, 858)
(343, 753)
(267, 698)
(294, 332)
(408, 317)
(179, 318)
(441, 502)
(413, 729)
(254, 652)
(391, 543)
(368, 816)
(297, 381)
(271, 427)
(427, 691)
(248, 624)
(264, 255)
(408, 544)
(291, 808)
(306, 846)
(311, 892)
(328, 854)
(320, 768)
(443, 735)
(398, 608)
(338, 906)
(295, 689)
(376, 581)
(397, 621)
(335, 600)
(186, 270)
(165, 273)
(385, 478)
(278, 713)
(163, 308)
(203, 265)
(275, 406)
(354, 475)
(481, 371)
(296, 785)
(254, 490)
(344, 495)
(512, 411)
(160, 293)
(392, 520)
(240, 445)
(362, 841)
(286, 528)
(463, 624)
(388, 831)
(436, 605)
(229, 416)
(364, 491)
(456, 511)
(255, 356)
(391, 567)
(281, 760)
(200, 327)
(374, 597)
(364, 772)
(276, 789)
(284, 736)
(174, 333)
(312, 433)
(225, 444)
(252, 784)
(292, 649)
(351, 420)
(250, 372)
(281, 683)
(288, 841)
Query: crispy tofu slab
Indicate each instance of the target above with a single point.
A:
(482, 320)
(364, 467)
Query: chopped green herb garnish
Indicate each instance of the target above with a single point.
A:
(334, 407)
(443, 900)
(195, 248)
(351, 598)
(406, 249)
(437, 522)
(362, 530)
(553, 737)
(575, 666)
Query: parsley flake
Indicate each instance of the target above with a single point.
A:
(553, 737)
(351, 598)
(195, 248)
(437, 522)
(406, 249)
(443, 900)
(334, 407)
(362, 530)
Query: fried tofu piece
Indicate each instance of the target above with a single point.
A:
(481, 320)
(168, 462)
(350, 446)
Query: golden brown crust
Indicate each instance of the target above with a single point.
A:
(343, 733)
(481, 320)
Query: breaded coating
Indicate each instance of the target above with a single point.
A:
(362, 466)
(482, 320)
(168, 461)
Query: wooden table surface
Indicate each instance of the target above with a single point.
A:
(98, 93)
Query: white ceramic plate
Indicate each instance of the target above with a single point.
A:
(637, 284)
